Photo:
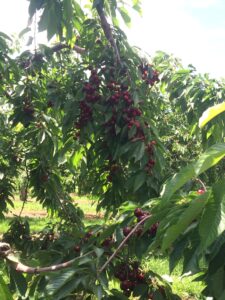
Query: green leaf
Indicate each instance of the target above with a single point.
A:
(51, 19)
(125, 16)
(213, 220)
(215, 263)
(177, 253)
(189, 214)
(24, 31)
(222, 296)
(211, 113)
(207, 160)
(35, 5)
(139, 181)
(98, 251)
(5, 36)
(108, 231)
(139, 151)
(98, 290)
(19, 281)
(58, 281)
(99, 3)
(4, 290)
(67, 288)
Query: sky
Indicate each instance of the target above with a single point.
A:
(193, 30)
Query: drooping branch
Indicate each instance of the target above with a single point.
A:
(56, 48)
(60, 46)
(122, 243)
(7, 253)
(108, 32)
(5, 250)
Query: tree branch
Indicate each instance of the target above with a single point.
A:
(60, 46)
(108, 32)
(6, 252)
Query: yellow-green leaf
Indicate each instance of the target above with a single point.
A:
(211, 113)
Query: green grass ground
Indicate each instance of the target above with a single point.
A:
(37, 216)
(184, 287)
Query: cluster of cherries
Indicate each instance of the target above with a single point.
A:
(28, 108)
(120, 93)
(113, 169)
(130, 275)
(108, 242)
(85, 239)
(90, 90)
(130, 115)
(151, 162)
(141, 215)
(149, 75)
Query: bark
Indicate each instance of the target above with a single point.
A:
(108, 33)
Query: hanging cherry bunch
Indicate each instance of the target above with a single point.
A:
(131, 117)
(129, 275)
(91, 96)
(150, 152)
(148, 74)
(141, 215)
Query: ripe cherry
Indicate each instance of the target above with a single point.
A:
(138, 212)
(89, 234)
(201, 191)
(121, 275)
(150, 296)
(140, 277)
(139, 231)
(140, 218)
(126, 230)
(45, 177)
(127, 293)
(77, 248)
(107, 242)
(50, 104)
(126, 285)
(153, 229)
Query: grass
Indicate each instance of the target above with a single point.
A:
(36, 224)
(184, 287)
(38, 218)
(33, 212)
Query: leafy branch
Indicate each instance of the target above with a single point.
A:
(6, 252)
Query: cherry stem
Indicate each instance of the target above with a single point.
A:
(202, 183)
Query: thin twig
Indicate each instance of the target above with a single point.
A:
(122, 243)
(202, 183)
(25, 189)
